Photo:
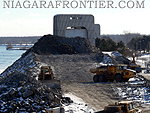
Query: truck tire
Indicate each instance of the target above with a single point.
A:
(96, 78)
(102, 78)
(118, 78)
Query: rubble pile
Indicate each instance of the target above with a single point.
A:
(136, 89)
(70, 58)
(21, 92)
(50, 44)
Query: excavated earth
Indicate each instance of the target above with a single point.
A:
(71, 60)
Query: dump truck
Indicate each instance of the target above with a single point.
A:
(121, 107)
(46, 76)
(119, 73)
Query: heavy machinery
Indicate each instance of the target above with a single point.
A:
(112, 72)
(46, 76)
(134, 66)
(121, 107)
(46, 73)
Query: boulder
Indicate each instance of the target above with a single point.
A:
(27, 93)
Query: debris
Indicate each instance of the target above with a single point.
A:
(20, 92)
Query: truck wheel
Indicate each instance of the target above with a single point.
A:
(95, 78)
(101, 78)
(118, 78)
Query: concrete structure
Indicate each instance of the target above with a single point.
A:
(72, 25)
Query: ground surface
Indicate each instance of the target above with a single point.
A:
(96, 95)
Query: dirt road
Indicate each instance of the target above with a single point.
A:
(96, 95)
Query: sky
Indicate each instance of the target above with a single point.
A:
(114, 16)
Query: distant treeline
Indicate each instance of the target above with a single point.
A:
(107, 44)
(19, 40)
(140, 43)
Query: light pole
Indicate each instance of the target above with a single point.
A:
(149, 51)
(140, 46)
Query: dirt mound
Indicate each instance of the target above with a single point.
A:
(50, 44)
(75, 68)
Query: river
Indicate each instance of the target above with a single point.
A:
(8, 57)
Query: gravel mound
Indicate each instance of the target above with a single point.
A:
(22, 93)
(72, 68)
(50, 44)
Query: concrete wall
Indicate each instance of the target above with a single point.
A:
(62, 21)
(97, 30)
(76, 32)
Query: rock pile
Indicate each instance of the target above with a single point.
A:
(136, 89)
(50, 44)
(21, 92)
(71, 58)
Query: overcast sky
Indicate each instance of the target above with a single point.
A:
(39, 21)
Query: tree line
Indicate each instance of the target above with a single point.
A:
(107, 44)
(135, 45)
(140, 44)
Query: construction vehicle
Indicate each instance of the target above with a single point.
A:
(112, 72)
(121, 107)
(46, 77)
(55, 110)
(134, 66)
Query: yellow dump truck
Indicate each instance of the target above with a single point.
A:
(121, 107)
(46, 77)
(118, 73)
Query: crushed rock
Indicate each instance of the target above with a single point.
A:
(137, 89)
(22, 93)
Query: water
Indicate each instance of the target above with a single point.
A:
(8, 57)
